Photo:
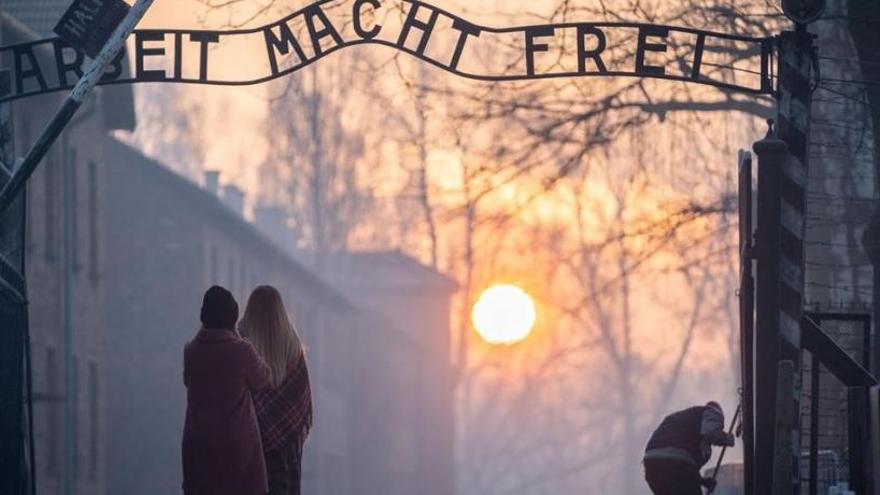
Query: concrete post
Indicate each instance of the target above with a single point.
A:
(770, 152)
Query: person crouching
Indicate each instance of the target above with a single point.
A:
(680, 446)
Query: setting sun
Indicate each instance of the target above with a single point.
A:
(504, 314)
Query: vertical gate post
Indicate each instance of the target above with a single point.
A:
(794, 94)
(782, 181)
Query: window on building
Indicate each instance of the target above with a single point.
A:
(25, 132)
(51, 208)
(93, 221)
(52, 403)
(94, 414)
(70, 177)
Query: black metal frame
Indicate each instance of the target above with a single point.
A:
(855, 376)
(16, 414)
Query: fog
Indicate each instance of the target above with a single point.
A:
(382, 197)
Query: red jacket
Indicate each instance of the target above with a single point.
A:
(222, 450)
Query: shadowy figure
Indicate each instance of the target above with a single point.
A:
(680, 446)
(284, 409)
(222, 451)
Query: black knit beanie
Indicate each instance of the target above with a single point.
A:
(219, 309)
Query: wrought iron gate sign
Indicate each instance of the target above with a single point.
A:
(419, 29)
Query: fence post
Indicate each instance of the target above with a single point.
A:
(859, 451)
(782, 180)
(815, 378)
(770, 152)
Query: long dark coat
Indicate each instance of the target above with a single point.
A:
(222, 450)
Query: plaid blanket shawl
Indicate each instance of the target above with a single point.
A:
(285, 412)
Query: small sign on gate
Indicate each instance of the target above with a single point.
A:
(88, 24)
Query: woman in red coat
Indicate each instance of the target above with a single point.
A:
(284, 409)
(222, 450)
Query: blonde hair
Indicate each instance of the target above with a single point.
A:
(266, 325)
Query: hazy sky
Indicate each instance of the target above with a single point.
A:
(235, 145)
(235, 115)
(172, 13)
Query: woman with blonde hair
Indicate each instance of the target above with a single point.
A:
(284, 409)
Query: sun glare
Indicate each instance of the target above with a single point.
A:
(504, 314)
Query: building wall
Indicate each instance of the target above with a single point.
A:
(48, 271)
(148, 322)
(60, 265)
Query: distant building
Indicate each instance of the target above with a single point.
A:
(415, 300)
(382, 400)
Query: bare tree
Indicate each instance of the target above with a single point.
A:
(409, 125)
(573, 411)
(312, 168)
(552, 126)
(170, 128)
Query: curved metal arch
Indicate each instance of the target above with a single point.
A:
(56, 49)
